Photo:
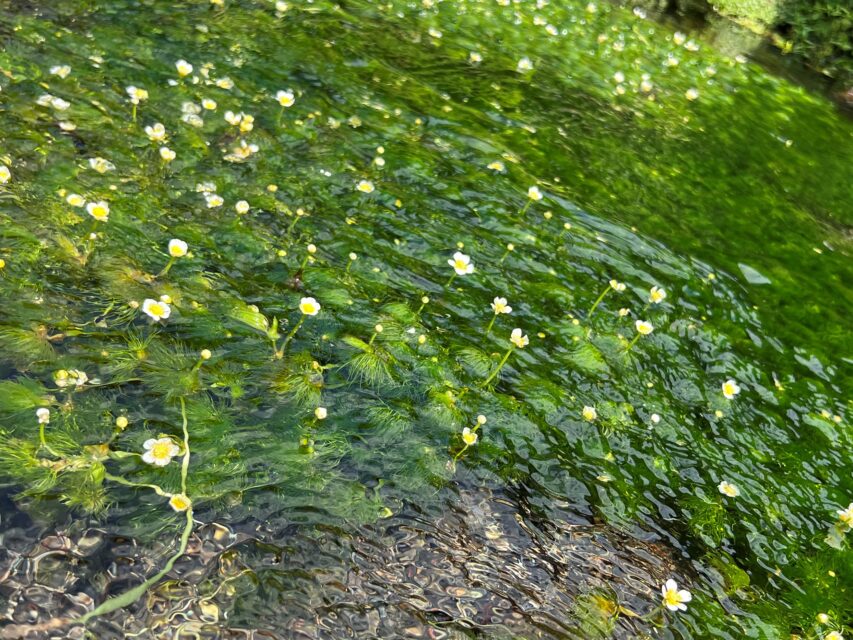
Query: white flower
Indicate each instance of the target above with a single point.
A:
(167, 154)
(524, 65)
(496, 165)
(100, 210)
(242, 206)
(469, 437)
(179, 502)
(534, 194)
(728, 489)
(679, 38)
(184, 68)
(474, 57)
(136, 94)
(61, 70)
(159, 452)
(673, 598)
(213, 200)
(518, 339)
(656, 295)
(692, 94)
(285, 98)
(461, 264)
(156, 309)
(617, 286)
(730, 389)
(5, 174)
(589, 413)
(43, 415)
(320, 413)
(309, 306)
(225, 83)
(499, 305)
(75, 200)
(156, 132)
(833, 635)
(101, 165)
(644, 327)
(59, 104)
(177, 248)
(846, 515)
(208, 104)
(365, 186)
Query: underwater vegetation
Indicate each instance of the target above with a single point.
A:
(311, 264)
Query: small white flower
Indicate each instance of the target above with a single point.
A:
(75, 200)
(167, 154)
(518, 339)
(320, 413)
(499, 305)
(469, 437)
(5, 174)
(524, 65)
(589, 413)
(644, 327)
(461, 264)
(136, 94)
(617, 286)
(657, 295)
(59, 104)
(101, 165)
(156, 132)
(177, 248)
(213, 200)
(309, 306)
(475, 58)
(242, 206)
(692, 94)
(100, 211)
(184, 68)
(730, 389)
(159, 452)
(534, 194)
(365, 186)
(208, 104)
(156, 309)
(673, 598)
(728, 489)
(43, 415)
(61, 70)
(285, 98)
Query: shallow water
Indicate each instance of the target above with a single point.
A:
(361, 524)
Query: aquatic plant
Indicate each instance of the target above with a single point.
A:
(121, 360)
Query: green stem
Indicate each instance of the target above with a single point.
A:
(452, 278)
(633, 342)
(597, 302)
(459, 455)
(137, 485)
(491, 324)
(167, 267)
(291, 334)
(132, 595)
(185, 465)
(503, 257)
(44, 441)
(525, 208)
(133, 112)
(129, 597)
(304, 262)
(498, 368)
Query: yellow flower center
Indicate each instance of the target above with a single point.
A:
(161, 450)
(672, 598)
(99, 213)
(156, 309)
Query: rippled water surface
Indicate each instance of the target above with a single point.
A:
(408, 132)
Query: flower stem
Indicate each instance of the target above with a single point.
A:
(491, 324)
(290, 335)
(44, 442)
(633, 342)
(167, 267)
(525, 208)
(452, 278)
(597, 302)
(498, 368)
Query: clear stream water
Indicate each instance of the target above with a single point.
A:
(661, 161)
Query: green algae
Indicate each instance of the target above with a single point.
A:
(645, 186)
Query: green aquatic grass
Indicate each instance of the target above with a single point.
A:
(401, 150)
